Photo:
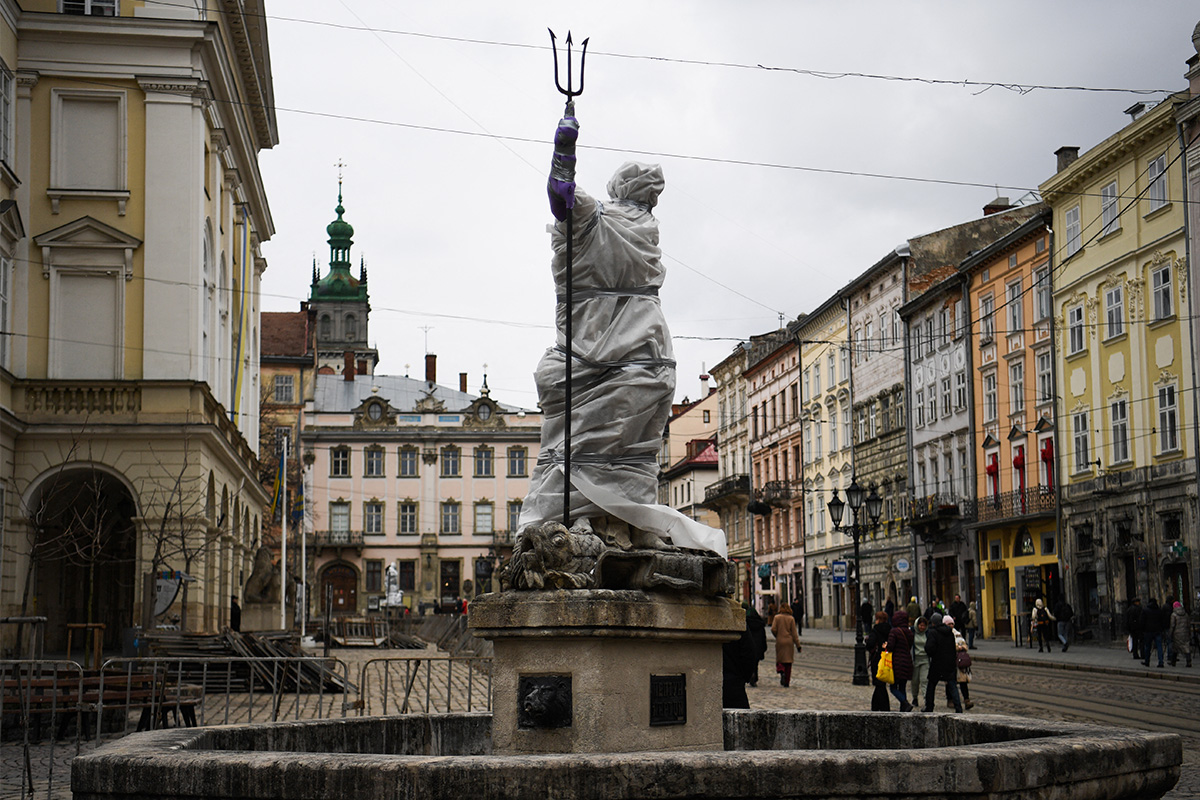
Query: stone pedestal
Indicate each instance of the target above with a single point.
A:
(604, 671)
(258, 617)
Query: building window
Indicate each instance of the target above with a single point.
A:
(484, 466)
(451, 468)
(374, 576)
(94, 8)
(450, 517)
(373, 517)
(845, 359)
(946, 396)
(1079, 424)
(807, 387)
(88, 140)
(1161, 289)
(1016, 387)
(1168, 420)
(284, 389)
(1015, 302)
(816, 371)
(1074, 231)
(1114, 312)
(832, 370)
(868, 334)
(518, 462)
(283, 441)
(326, 326)
(1110, 215)
(373, 462)
(817, 445)
(919, 406)
(1041, 294)
(351, 326)
(1156, 173)
(987, 321)
(1120, 431)
(990, 401)
(339, 519)
(1075, 330)
(408, 462)
(408, 516)
(483, 518)
(514, 515)
(6, 83)
(833, 431)
(707, 417)
(339, 462)
(931, 398)
(1045, 377)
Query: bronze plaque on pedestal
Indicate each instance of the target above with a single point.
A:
(668, 699)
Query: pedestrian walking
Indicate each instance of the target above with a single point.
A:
(787, 643)
(920, 660)
(739, 660)
(1133, 625)
(1180, 630)
(943, 665)
(900, 645)
(962, 660)
(1039, 620)
(889, 608)
(913, 609)
(758, 632)
(866, 615)
(1064, 614)
(876, 641)
(958, 610)
(930, 610)
(772, 610)
(1153, 626)
(1167, 607)
(235, 614)
(972, 624)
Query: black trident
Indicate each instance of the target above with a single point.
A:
(571, 92)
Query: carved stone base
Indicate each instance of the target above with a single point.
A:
(630, 671)
(259, 617)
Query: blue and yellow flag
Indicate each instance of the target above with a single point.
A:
(277, 502)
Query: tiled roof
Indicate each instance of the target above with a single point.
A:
(334, 394)
(284, 333)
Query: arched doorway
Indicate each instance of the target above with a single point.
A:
(342, 580)
(84, 546)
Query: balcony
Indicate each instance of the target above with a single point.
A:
(777, 493)
(1033, 502)
(338, 539)
(728, 489)
(934, 506)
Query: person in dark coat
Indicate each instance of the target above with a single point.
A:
(1064, 614)
(958, 610)
(943, 663)
(875, 642)
(1153, 626)
(758, 632)
(235, 614)
(1133, 624)
(889, 608)
(1179, 629)
(739, 661)
(900, 644)
(866, 615)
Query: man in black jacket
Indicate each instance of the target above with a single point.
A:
(757, 627)
(958, 610)
(943, 663)
(1133, 624)
(1153, 625)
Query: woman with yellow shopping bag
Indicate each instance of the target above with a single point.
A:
(900, 643)
(877, 646)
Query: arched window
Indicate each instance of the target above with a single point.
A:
(351, 328)
(326, 326)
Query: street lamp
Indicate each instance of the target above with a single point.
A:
(837, 507)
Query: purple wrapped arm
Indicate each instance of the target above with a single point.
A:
(561, 184)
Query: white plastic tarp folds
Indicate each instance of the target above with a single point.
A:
(623, 376)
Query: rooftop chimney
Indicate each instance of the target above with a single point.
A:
(996, 206)
(1135, 110)
(362, 366)
(1066, 156)
(431, 367)
(703, 384)
(348, 371)
(462, 382)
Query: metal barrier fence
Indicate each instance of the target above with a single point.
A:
(418, 684)
(52, 710)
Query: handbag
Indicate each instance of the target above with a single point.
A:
(964, 659)
(884, 672)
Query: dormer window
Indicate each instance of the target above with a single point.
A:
(92, 8)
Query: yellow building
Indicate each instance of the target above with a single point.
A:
(1015, 524)
(129, 276)
(1125, 366)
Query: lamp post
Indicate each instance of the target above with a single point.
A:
(837, 507)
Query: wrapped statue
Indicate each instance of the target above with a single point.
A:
(623, 369)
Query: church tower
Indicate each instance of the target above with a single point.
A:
(341, 307)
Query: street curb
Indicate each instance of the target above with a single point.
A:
(1071, 667)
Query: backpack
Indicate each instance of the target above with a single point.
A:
(1043, 616)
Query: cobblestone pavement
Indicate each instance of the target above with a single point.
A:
(821, 681)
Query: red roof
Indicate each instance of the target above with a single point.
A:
(284, 333)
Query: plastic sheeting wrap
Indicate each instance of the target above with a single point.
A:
(623, 376)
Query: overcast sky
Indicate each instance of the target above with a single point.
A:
(781, 184)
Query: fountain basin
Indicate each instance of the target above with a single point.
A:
(768, 754)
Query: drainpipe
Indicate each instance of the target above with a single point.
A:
(1187, 260)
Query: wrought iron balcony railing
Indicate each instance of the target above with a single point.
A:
(777, 493)
(934, 505)
(338, 538)
(732, 486)
(1032, 502)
